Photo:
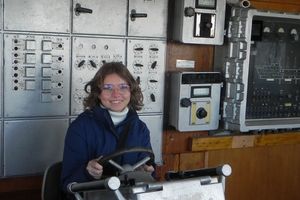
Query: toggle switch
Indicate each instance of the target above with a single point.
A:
(152, 97)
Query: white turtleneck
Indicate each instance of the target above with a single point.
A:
(118, 117)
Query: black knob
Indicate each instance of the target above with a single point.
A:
(208, 25)
(93, 64)
(185, 102)
(201, 113)
(78, 9)
(152, 97)
(189, 11)
(138, 80)
(153, 65)
(81, 63)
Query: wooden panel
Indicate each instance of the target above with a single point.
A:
(210, 143)
(278, 139)
(190, 161)
(21, 183)
(22, 195)
(243, 141)
(171, 163)
(278, 1)
(201, 54)
(178, 142)
(271, 6)
(262, 173)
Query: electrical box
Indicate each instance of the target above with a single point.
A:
(199, 22)
(195, 100)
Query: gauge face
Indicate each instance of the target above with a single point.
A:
(210, 4)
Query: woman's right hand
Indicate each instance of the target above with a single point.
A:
(94, 168)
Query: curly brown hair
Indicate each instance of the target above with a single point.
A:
(93, 87)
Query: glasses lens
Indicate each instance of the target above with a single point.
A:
(121, 88)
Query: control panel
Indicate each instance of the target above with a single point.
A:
(262, 71)
(199, 22)
(88, 56)
(36, 74)
(195, 100)
(51, 49)
(146, 61)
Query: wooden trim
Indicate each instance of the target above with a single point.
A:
(243, 141)
(21, 184)
(275, 6)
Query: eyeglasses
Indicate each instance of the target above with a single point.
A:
(123, 88)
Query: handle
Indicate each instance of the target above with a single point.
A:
(78, 9)
(134, 15)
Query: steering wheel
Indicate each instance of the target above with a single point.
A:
(127, 168)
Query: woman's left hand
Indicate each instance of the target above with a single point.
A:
(146, 168)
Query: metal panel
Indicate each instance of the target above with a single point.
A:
(155, 125)
(36, 75)
(1, 150)
(151, 20)
(1, 14)
(42, 15)
(32, 145)
(108, 17)
(146, 61)
(1, 74)
(88, 56)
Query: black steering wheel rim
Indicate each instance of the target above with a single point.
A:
(115, 154)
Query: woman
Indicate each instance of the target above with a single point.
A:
(109, 123)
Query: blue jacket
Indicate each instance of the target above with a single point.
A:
(93, 134)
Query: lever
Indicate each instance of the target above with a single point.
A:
(81, 63)
(93, 64)
(134, 15)
(153, 65)
(78, 9)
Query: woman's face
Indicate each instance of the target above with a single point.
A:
(115, 93)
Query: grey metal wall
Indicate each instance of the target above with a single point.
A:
(49, 51)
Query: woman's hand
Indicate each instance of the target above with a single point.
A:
(146, 168)
(94, 168)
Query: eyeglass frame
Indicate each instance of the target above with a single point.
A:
(109, 88)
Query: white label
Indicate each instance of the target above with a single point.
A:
(185, 63)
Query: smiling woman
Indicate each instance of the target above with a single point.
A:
(109, 123)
